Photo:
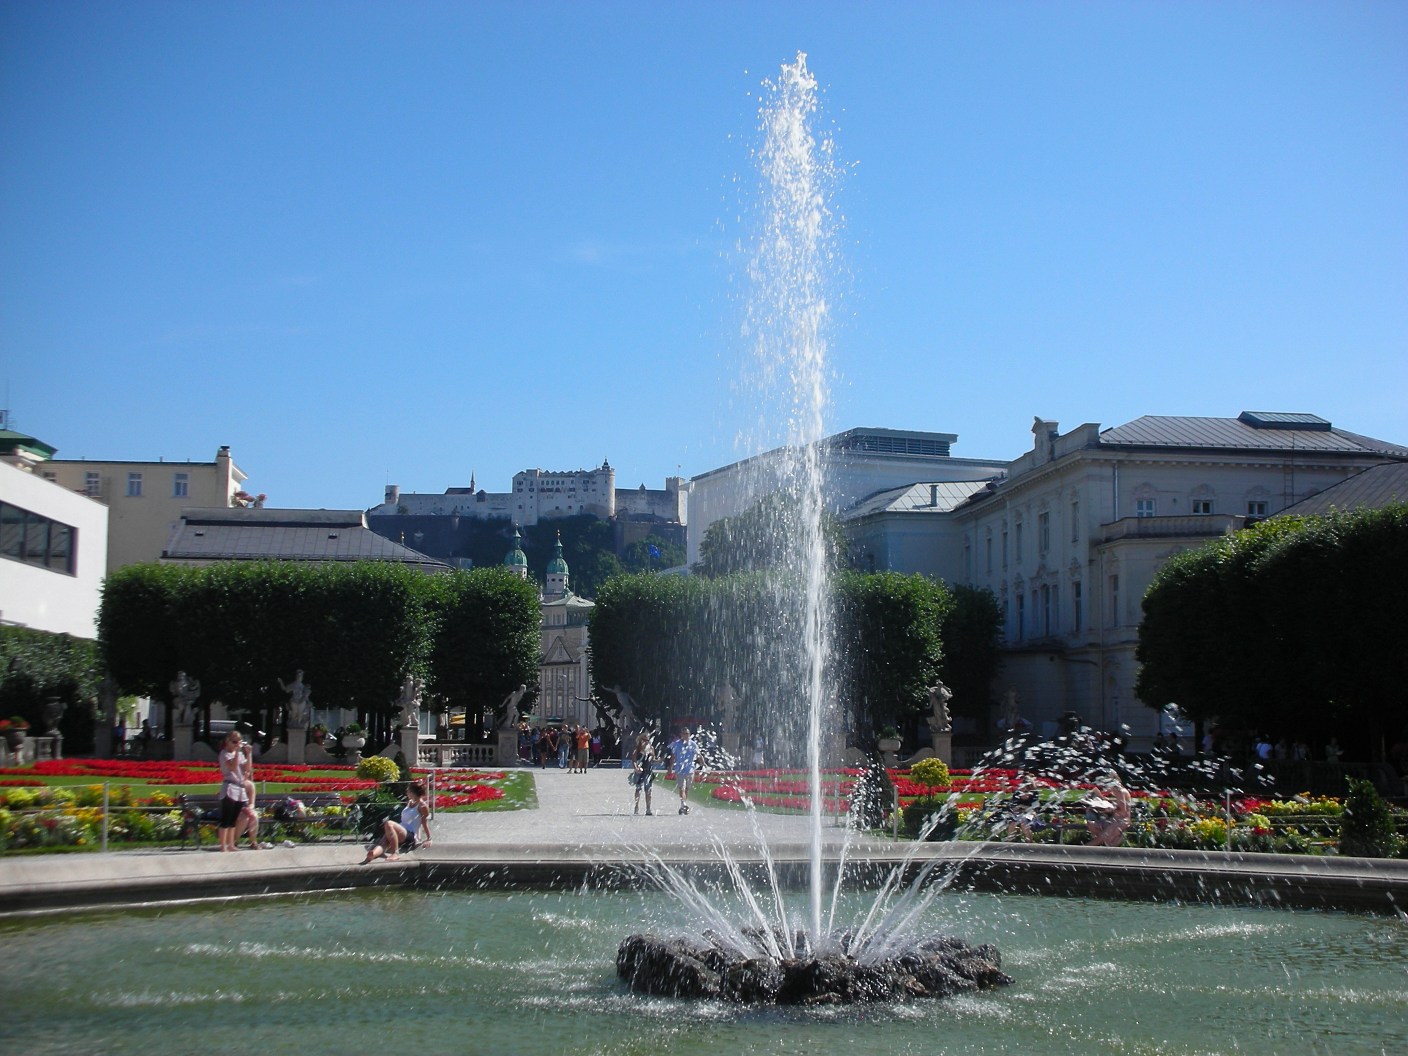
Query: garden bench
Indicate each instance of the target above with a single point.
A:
(199, 809)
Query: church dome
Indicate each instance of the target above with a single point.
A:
(516, 558)
(557, 566)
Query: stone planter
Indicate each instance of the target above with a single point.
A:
(14, 739)
(354, 741)
(888, 744)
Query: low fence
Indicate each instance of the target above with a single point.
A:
(453, 754)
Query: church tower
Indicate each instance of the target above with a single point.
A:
(557, 573)
(516, 561)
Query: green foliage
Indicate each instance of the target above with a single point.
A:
(915, 817)
(887, 643)
(639, 558)
(1292, 625)
(673, 641)
(931, 772)
(38, 665)
(486, 641)
(1366, 826)
(971, 631)
(355, 630)
(378, 768)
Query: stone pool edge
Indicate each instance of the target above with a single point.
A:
(57, 884)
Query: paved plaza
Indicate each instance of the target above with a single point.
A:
(585, 827)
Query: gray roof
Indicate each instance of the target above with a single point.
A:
(1253, 430)
(915, 498)
(1374, 488)
(286, 535)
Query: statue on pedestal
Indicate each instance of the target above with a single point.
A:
(299, 700)
(940, 721)
(509, 720)
(626, 719)
(408, 702)
(184, 691)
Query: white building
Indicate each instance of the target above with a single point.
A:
(53, 546)
(564, 668)
(540, 494)
(857, 464)
(1070, 539)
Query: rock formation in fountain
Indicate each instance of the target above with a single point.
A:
(687, 968)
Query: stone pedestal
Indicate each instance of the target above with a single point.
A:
(182, 739)
(410, 744)
(732, 746)
(297, 744)
(943, 747)
(889, 752)
(507, 753)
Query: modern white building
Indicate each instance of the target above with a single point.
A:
(1070, 538)
(857, 465)
(53, 547)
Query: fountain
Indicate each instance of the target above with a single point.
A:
(772, 957)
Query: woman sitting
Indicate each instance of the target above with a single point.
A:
(404, 834)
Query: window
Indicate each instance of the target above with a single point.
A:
(1256, 508)
(1018, 542)
(1004, 549)
(1202, 507)
(1075, 522)
(1077, 616)
(1046, 611)
(1043, 532)
(989, 552)
(92, 484)
(1021, 616)
(1145, 507)
(134, 485)
(36, 540)
(1115, 600)
(181, 486)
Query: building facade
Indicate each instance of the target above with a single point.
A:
(540, 494)
(145, 499)
(1070, 538)
(564, 667)
(857, 465)
(53, 553)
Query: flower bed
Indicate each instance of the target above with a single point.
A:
(1301, 824)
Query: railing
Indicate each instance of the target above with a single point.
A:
(31, 749)
(1193, 524)
(455, 755)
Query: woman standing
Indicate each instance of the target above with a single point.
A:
(236, 804)
(404, 834)
(643, 763)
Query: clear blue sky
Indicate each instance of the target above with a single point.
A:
(370, 243)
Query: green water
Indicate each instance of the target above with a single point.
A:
(472, 972)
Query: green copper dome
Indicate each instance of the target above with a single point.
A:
(557, 566)
(516, 558)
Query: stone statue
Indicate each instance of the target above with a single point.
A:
(940, 721)
(1011, 708)
(184, 691)
(626, 718)
(409, 702)
(54, 709)
(727, 700)
(510, 708)
(299, 702)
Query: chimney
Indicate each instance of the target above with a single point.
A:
(393, 494)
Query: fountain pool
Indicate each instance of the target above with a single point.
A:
(495, 972)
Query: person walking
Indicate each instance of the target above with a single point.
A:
(643, 765)
(237, 814)
(685, 753)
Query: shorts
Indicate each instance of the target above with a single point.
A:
(230, 812)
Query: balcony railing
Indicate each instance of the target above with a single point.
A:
(1206, 525)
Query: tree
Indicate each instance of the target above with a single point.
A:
(652, 554)
(971, 633)
(486, 638)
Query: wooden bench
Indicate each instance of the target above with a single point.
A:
(199, 809)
